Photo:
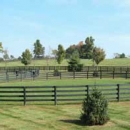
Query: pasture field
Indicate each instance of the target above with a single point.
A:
(52, 62)
(66, 82)
(61, 117)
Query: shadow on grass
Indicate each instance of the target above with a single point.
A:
(76, 122)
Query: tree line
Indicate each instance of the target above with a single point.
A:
(83, 50)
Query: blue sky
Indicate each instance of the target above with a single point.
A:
(65, 22)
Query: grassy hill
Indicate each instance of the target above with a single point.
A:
(52, 62)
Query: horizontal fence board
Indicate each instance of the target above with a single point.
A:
(70, 99)
(11, 91)
(125, 88)
(59, 94)
(71, 95)
(11, 100)
(42, 91)
(35, 100)
(11, 96)
(124, 92)
(71, 91)
(109, 94)
(39, 95)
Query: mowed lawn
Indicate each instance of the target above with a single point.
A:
(52, 62)
(60, 117)
(67, 82)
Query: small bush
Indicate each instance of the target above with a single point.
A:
(56, 72)
(78, 67)
(95, 74)
(94, 109)
(74, 65)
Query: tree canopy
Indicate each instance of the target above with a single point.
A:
(89, 47)
(74, 62)
(26, 57)
(60, 54)
(39, 50)
(85, 49)
(117, 55)
(98, 55)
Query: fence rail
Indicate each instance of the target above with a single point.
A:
(47, 72)
(61, 94)
(64, 68)
(33, 75)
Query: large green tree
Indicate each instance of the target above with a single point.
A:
(26, 57)
(70, 50)
(73, 48)
(98, 55)
(87, 49)
(60, 54)
(39, 50)
(74, 62)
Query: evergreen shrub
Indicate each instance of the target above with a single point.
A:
(95, 109)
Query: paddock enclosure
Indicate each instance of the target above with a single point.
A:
(47, 72)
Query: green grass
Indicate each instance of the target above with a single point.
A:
(61, 117)
(65, 82)
(50, 62)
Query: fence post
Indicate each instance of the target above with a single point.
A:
(24, 94)
(47, 76)
(100, 74)
(118, 92)
(60, 75)
(73, 74)
(126, 74)
(21, 76)
(55, 95)
(16, 72)
(33, 74)
(87, 91)
(87, 74)
(7, 76)
(113, 74)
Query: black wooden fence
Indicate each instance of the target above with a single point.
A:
(65, 68)
(47, 72)
(61, 94)
(6, 76)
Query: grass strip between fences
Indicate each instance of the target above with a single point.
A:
(41, 75)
